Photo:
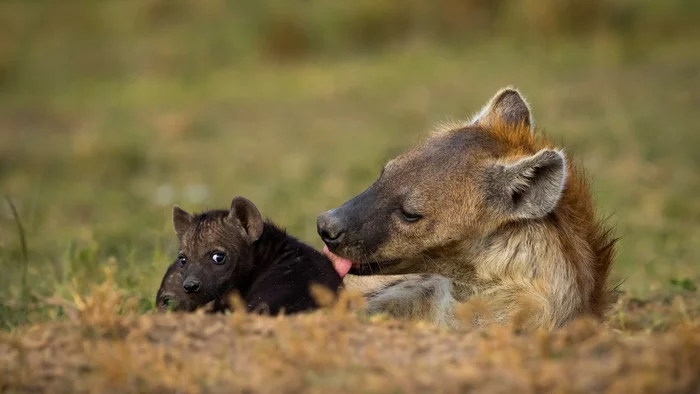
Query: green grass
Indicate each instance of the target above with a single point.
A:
(103, 130)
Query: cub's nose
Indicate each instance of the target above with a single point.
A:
(191, 286)
(330, 228)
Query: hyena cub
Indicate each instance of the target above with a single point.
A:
(172, 296)
(235, 251)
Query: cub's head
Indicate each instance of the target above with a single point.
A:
(171, 295)
(214, 249)
(444, 196)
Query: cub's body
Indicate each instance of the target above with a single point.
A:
(225, 252)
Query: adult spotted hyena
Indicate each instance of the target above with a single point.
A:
(488, 208)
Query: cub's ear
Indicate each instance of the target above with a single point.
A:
(181, 220)
(507, 107)
(243, 211)
(531, 187)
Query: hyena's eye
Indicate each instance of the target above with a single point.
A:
(409, 217)
(218, 257)
(182, 260)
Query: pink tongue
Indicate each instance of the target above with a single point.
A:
(341, 265)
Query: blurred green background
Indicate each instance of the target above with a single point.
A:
(113, 111)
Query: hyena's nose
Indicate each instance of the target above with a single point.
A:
(330, 228)
(191, 286)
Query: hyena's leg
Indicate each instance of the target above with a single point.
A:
(424, 297)
(368, 284)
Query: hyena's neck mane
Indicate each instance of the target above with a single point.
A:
(565, 256)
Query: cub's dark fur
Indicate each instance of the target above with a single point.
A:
(222, 252)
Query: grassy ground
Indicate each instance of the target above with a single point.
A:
(340, 350)
(107, 120)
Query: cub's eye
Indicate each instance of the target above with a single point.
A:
(182, 260)
(169, 303)
(410, 217)
(218, 257)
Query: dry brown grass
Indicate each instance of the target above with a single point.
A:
(340, 350)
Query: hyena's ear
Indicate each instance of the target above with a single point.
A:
(531, 187)
(181, 220)
(507, 107)
(243, 211)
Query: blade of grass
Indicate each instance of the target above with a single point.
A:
(25, 260)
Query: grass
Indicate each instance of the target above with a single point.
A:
(339, 349)
(24, 285)
(111, 114)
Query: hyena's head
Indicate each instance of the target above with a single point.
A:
(433, 205)
(171, 295)
(215, 248)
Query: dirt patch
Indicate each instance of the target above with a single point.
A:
(340, 352)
